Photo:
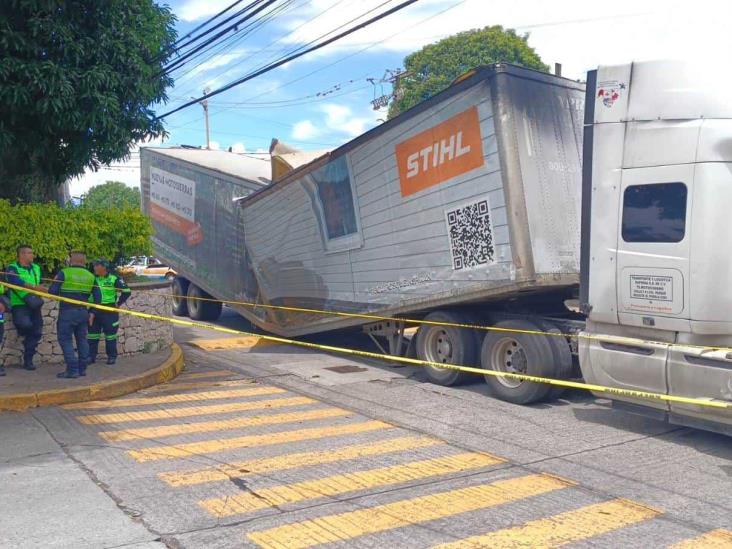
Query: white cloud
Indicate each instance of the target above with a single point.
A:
(238, 148)
(576, 33)
(193, 10)
(340, 118)
(216, 61)
(130, 176)
(304, 129)
(126, 171)
(215, 145)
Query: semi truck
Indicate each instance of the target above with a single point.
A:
(584, 224)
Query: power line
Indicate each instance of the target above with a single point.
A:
(182, 59)
(233, 40)
(341, 59)
(174, 45)
(301, 53)
(219, 24)
(279, 39)
(295, 101)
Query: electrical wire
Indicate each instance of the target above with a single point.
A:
(174, 46)
(345, 57)
(301, 53)
(217, 49)
(283, 51)
(180, 61)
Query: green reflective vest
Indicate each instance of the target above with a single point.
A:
(31, 277)
(108, 288)
(77, 280)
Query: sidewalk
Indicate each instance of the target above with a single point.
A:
(22, 389)
(48, 500)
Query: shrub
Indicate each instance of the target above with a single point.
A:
(54, 231)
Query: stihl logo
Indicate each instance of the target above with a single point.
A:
(445, 150)
(440, 153)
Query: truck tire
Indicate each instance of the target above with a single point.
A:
(562, 358)
(517, 352)
(180, 290)
(449, 345)
(198, 306)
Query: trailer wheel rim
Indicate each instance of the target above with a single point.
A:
(178, 300)
(508, 355)
(439, 347)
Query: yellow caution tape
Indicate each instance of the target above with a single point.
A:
(622, 340)
(703, 402)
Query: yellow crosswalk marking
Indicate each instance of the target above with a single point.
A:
(220, 445)
(222, 425)
(199, 375)
(168, 399)
(294, 461)
(190, 411)
(183, 385)
(352, 524)
(572, 526)
(227, 343)
(345, 483)
(716, 539)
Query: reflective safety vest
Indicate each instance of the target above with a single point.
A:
(77, 280)
(31, 276)
(108, 288)
(2, 292)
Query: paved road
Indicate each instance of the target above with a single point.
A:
(267, 446)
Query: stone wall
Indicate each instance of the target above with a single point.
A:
(136, 335)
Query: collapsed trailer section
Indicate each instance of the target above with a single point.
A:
(472, 196)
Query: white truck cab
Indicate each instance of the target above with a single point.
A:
(657, 238)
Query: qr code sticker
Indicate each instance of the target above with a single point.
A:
(471, 235)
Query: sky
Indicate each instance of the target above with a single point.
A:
(323, 99)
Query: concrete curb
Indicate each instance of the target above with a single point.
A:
(168, 370)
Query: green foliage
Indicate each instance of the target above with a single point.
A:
(436, 66)
(112, 194)
(78, 80)
(54, 231)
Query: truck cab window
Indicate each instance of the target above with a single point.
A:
(336, 197)
(654, 213)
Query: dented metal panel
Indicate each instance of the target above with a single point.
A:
(423, 211)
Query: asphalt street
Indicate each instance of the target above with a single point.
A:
(260, 445)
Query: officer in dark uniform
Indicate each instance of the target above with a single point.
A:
(4, 308)
(74, 282)
(106, 321)
(26, 307)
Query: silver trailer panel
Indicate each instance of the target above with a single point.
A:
(470, 196)
(399, 256)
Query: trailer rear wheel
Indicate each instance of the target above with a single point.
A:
(200, 306)
(447, 344)
(562, 358)
(520, 353)
(180, 290)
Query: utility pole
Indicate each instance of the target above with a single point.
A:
(204, 104)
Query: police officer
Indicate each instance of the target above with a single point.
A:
(26, 307)
(4, 307)
(106, 321)
(74, 282)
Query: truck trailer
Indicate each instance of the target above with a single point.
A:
(485, 205)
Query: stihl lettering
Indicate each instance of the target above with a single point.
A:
(440, 153)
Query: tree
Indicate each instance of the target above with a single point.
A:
(54, 231)
(112, 194)
(432, 69)
(78, 80)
